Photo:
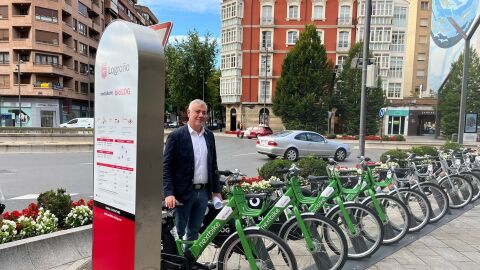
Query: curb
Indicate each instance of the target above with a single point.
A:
(47, 251)
(46, 148)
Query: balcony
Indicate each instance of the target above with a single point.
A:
(343, 47)
(21, 20)
(269, 47)
(266, 21)
(346, 21)
(67, 28)
(50, 68)
(97, 27)
(68, 50)
(67, 6)
(262, 74)
(22, 43)
(96, 6)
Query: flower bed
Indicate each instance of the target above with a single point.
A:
(34, 220)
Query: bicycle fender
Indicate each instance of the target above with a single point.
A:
(291, 220)
(392, 192)
(252, 228)
(331, 211)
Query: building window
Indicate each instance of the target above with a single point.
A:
(293, 12)
(420, 73)
(267, 39)
(344, 15)
(292, 37)
(74, 25)
(321, 35)
(267, 14)
(45, 59)
(396, 66)
(423, 23)
(229, 11)
(83, 87)
(3, 12)
(380, 34)
(343, 38)
(46, 15)
(394, 90)
(421, 57)
(4, 80)
(265, 65)
(82, 48)
(82, 29)
(341, 60)
(4, 58)
(46, 37)
(400, 16)
(398, 41)
(265, 92)
(84, 68)
(3, 34)
(318, 12)
(424, 5)
(229, 35)
(229, 61)
(82, 9)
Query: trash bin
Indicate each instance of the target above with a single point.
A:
(455, 137)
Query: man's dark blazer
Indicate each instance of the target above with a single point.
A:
(179, 164)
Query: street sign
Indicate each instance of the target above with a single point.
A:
(163, 31)
(381, 112)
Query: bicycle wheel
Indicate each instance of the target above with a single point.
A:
(323, 256)
(437, 197)
(368, 234)
(418, 207)
(232, 255)
(474, 179)
(458, 189)
(397, 217)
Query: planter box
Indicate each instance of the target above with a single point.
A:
(47, 251)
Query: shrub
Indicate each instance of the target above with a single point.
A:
(312, 166)
(269, 169)
(399, 138)
(57, 202)
(424, 150)
(385, 138)
(331, 136)
(397, 154)
(449, 145)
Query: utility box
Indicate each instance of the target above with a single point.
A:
(372, 76)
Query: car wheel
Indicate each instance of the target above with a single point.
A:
(291, 154)
(272, 156)
(340, 155)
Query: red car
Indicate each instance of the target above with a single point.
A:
(254, 132)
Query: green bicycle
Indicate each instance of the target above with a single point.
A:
(244, 249)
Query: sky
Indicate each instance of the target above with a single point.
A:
(202, 15)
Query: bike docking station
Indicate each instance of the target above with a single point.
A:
(128, 155)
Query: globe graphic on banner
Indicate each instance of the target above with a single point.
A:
(463, 12)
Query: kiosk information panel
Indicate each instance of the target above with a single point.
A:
(129, 110)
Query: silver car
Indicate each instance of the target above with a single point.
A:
(292, 144)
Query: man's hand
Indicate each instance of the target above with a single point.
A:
(218, 195)
(170, 201)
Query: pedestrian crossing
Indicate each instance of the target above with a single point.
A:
(34, 196)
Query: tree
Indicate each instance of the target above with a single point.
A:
(449, 102)
(189, 64)
(302, 90)
(348, 96)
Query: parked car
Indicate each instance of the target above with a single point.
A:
(292, 144)
(255, 132)
(79, 123)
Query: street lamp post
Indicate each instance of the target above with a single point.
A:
(265, 87)
(19, 92)
(363, 101)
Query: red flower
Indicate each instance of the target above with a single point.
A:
(90, 204)
(31, 211)
(15, 215)
(6, 215)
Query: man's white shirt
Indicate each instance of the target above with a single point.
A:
(200, 150)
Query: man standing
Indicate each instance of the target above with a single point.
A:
(189, 165)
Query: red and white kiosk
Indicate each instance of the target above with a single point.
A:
(128, 174)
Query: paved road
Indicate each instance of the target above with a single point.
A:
(24, 176)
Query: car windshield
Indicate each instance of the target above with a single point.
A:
(282, 133)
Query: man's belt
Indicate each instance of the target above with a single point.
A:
(199, 186)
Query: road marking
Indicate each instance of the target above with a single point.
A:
(32, 196)
(88, 163)
(244, 154)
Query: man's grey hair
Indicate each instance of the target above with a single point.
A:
(197, 101)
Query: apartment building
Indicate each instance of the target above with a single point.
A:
(256, 36)
(47, 57)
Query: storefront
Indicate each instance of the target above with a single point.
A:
(31, 112)
(422, 122)
(396, 121)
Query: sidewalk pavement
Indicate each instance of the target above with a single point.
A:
(453, 246)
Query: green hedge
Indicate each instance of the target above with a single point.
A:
(424, 150)
(308, 166)
(269, 169)
(449, 145)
